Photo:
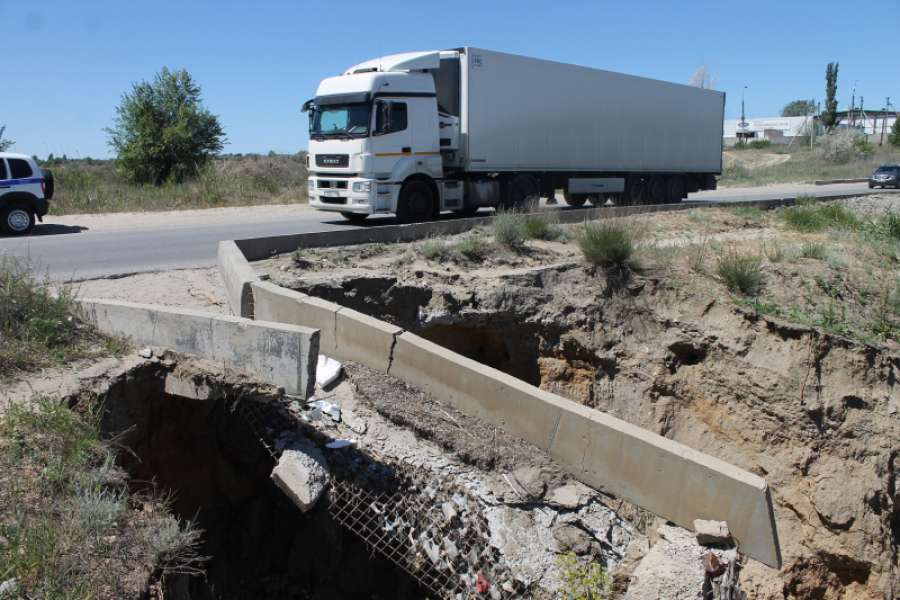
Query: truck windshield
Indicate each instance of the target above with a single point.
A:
(340, 120)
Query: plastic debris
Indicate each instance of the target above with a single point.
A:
(481, 583)
(327, 371)
(338, 444)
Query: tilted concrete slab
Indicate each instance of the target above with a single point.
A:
(658, 474)
(237, 275)
(287, 306)
(277, 353)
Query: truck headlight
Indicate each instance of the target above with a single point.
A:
(362, 186)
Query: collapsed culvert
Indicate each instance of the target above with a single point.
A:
(219, 450)
(210, 447)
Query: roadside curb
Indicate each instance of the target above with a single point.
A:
(831, 181)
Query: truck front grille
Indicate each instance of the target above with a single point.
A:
(332, 160)
(333, 199)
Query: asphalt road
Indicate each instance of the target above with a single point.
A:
(92, 246)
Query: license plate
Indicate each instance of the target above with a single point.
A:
(330, 193)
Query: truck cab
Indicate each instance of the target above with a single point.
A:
(376, 140)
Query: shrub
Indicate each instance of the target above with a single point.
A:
(894, 136)
(741, 273)
(162, 132)
(606, 244)
(843, 146)
(537, 227)
(814, 250)
(759, 144)
(509, 229)
(434, 249)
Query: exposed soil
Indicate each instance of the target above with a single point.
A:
(811, 404)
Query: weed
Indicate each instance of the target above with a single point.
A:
(697, 253)
(741, 273)
(775, 254)
(435, 249)
(814, 250)
(65, 524)
(39, 322)
(606, 244)
(510, 229)
(581, 581)
(473, 248)
(762, 307)
(537, 227)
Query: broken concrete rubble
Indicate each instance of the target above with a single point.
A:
(302, 473)
(711, 532)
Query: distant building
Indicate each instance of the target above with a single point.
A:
(782, 130)
(778, 130)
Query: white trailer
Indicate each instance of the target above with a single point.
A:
(415, 134)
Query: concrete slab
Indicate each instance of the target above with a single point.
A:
(277, 353)
(287, 306)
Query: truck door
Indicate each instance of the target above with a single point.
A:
(391, 139)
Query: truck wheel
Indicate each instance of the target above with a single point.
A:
(355, 218)
(524, 190)
(17, 219)
(575, 200)
(416, 202)
(657, 191)
(675, 190)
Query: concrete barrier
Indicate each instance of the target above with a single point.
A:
(658, 474)
(344, 333)
(237, 275)
(260, 248)
(280, 354)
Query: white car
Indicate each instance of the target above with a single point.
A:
(25, 192)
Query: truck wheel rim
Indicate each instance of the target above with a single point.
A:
(18, 220)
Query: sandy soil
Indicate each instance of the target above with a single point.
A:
(754, 160)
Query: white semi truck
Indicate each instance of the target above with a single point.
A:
(420, 133)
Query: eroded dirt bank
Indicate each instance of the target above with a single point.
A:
(813, 411)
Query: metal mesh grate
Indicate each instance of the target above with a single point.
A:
(433, 532)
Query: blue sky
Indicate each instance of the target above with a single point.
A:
(258, 61)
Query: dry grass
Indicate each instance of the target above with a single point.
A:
(69, 528)
(39, 323)
(94, 186)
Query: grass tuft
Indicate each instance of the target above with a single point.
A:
(39, 322)
(814, 250)
(69, 528)
(606, 244)
(510, 230)
(741, 273)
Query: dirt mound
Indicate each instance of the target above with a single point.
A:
(814, 412)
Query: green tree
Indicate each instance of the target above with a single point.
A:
(5, 144)
(798, 108)
(829, 115)
(894, 137)
(162, 132)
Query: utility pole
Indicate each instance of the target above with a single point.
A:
(743, 124)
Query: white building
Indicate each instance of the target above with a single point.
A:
(778, 130)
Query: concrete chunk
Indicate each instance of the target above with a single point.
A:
(711, 532)
(302, 474)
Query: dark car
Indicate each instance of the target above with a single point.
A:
(885, 176)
